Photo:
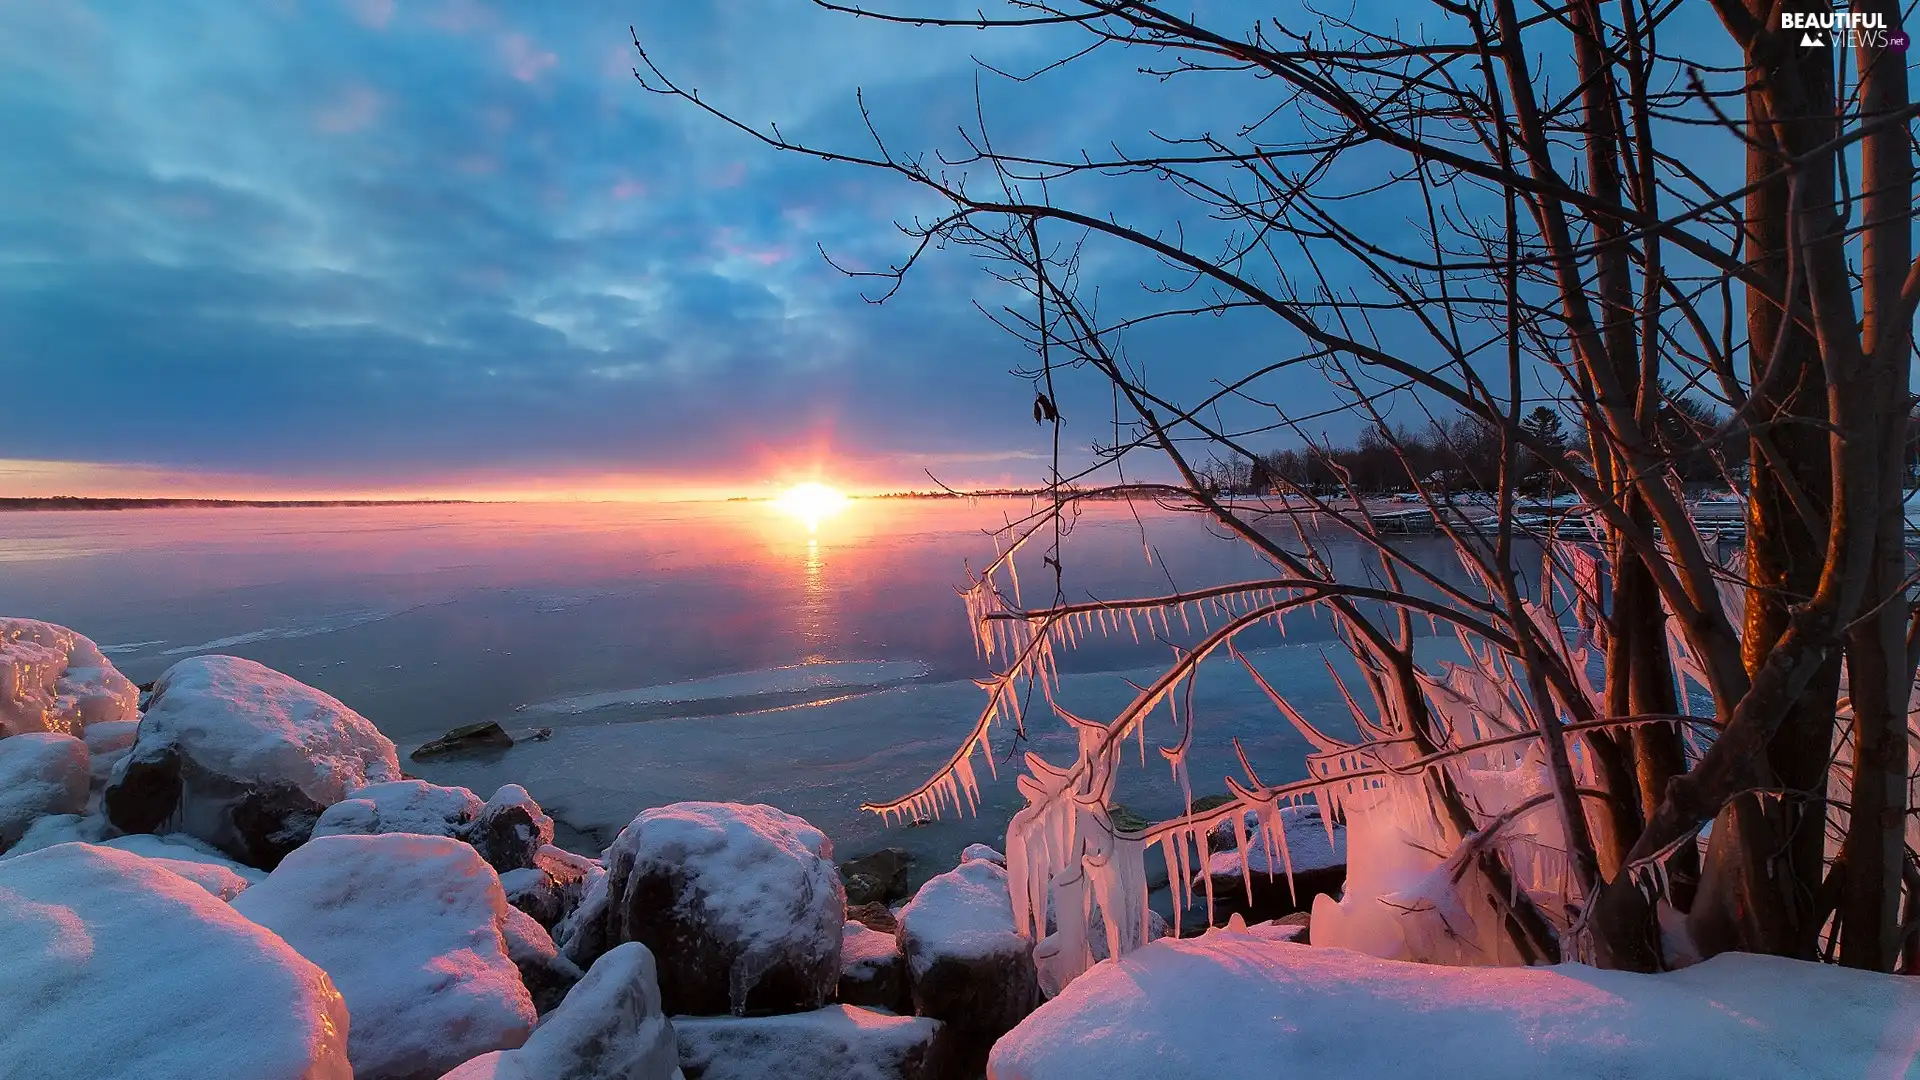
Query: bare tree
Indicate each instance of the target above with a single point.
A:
(1574, 242)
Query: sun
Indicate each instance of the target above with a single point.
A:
(812, 502)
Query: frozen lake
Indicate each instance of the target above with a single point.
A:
(679, 651)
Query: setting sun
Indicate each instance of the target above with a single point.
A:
(811, 502)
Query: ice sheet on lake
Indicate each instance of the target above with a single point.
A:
(797, 678)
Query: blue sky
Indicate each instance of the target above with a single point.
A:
(332, 246)
(381, 244)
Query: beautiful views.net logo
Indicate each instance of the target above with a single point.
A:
(1854, 29)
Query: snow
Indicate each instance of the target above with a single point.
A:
(243, 720)
(964, 914)
(52, 679)
(118, 970)
(42, 773)
(864, 951)
(197, 862)
(401, 806)
(60, 829)
(1233, 1004)
(409, 927)
(610, 1027)
(839, 1042)
(749, 891)
(982, 853)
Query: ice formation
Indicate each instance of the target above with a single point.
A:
(839, 1042)
(52, 679)
(610, 1027)
(1446, 767)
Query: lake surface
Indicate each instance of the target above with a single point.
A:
(679, 651)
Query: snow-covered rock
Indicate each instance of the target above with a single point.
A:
(553, 886)
(984, 853)
(52, 679)
(872, 969)
(966, 964)
(116, 969)
(193, 860)
(244, 758)
(610, 1027)
(402, 806)
(510, 829)
(740, 905)
(546, 974)
(61, 829)
(42, 773)
(839, 1042)
(878, 877)
(1234, 1004)
(410, 928)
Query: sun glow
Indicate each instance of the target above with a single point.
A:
(812, 503)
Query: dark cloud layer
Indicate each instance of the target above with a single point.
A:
(392, 240)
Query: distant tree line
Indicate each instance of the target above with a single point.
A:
(1463, 454)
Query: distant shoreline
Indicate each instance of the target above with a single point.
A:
(74, 502)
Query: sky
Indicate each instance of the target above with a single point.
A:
(365, 247)
(346, 246)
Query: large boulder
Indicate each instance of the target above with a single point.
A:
(244, 758)
(610, 1027)
(966, 964)
(1237, 1004)
(410, 928)
(543, 971)
(839, 1042)
(740, 905)
(52, 679)
(872, 970)
(42, 773)
(553, 886)
(116, 969)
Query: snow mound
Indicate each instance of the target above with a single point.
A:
(118, 970)
(966, 964)
(244, 758)
(60, 829)
(409, 927)
(1235, 1004)
(401, 806)
(741, 906)
(983, 853)
(52, 679)
(193, 860)
(42, 773)
(839, 1042)
(610, 1027)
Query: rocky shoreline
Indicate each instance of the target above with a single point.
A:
(392, 929)
(230, 875)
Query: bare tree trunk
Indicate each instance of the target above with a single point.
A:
(1876, 647)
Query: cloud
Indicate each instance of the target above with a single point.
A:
(353, 110)
(526, 60)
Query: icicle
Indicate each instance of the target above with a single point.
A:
(1279, 829)
(1240, 845)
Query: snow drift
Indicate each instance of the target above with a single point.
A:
(1237, 1004)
